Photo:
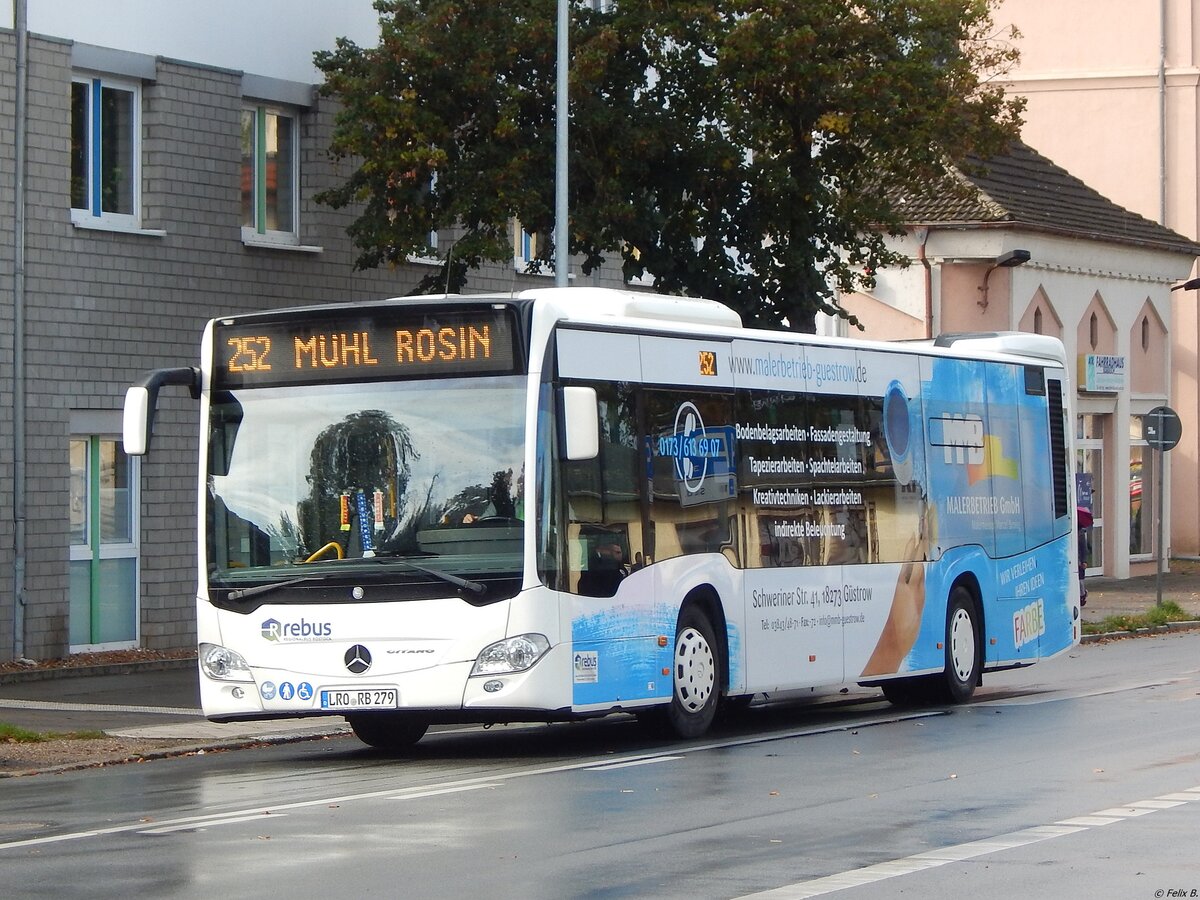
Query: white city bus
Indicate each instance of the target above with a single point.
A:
(569, 503)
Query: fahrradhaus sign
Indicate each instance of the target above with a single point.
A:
(1102, 373)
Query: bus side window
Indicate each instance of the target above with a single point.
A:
(607, 564)
(603, 498)
(893, 502)
(691, 455)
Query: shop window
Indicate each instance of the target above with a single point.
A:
(1142, 479)
(1090, 481)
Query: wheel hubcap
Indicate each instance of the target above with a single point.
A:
(695, 670)
(962, 645)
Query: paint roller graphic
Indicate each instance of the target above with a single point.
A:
(898, 432)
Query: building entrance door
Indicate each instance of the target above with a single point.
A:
(1089, 461)
(104, 550)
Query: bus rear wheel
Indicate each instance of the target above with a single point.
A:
(956, 682)
(696, 683)
(387, 731)
(963, 659)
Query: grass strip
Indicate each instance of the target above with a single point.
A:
(1154, 617)
(14, 734)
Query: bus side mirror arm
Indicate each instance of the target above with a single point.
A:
(580, 437)
(141, 401)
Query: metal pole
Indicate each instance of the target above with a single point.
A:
(1162, 482)
(1162, 112)
(18, 397)
(562, 262)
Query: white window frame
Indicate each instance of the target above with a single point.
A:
(432, 239)
(258, 233)
(525, 250)
(430, 255)
(93, 215)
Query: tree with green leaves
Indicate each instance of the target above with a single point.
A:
(749, 151)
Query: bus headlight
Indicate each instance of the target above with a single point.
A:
(223, 664)
(514, 654)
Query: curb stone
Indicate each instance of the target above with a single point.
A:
(1141, 632)
(18, 676)
(192, 748)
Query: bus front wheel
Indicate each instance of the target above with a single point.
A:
(387, 731)
(696, 683)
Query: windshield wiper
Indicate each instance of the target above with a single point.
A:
(474, 587)
(244, 593)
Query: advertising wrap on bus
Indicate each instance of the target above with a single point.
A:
(865, 482)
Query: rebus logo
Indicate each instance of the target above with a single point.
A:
(274, 630)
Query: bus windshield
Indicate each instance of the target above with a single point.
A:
(309, 483)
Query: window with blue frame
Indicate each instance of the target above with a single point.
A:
(527, 247)
(105, 151)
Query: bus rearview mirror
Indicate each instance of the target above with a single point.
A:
(135, 425)
(581, 423)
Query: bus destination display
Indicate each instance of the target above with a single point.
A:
(383, 345)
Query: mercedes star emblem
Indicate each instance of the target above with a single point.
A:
(358, 659)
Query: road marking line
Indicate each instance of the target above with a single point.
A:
(908, 865)
(393, 793)
(1089, 820)
(1158, 803)
(961, 852)
(632, 762)
(1184, 797)
(1075, 695)
(169, 829)
(1003, 842)
(449, 790)
(1128, 812)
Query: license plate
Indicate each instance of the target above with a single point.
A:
(359, 698)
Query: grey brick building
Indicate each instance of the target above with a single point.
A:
(158, 193)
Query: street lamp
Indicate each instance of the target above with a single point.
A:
(1190, 285)
(561, 260)
(1008, 260)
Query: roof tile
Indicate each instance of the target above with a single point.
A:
(1022, 188)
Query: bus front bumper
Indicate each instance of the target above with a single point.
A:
(446, 692)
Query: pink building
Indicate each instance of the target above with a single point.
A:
(1113, 92)
(1033, 248)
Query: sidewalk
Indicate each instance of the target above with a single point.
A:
(156, 700)
(1134, 596)
(159, 699)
